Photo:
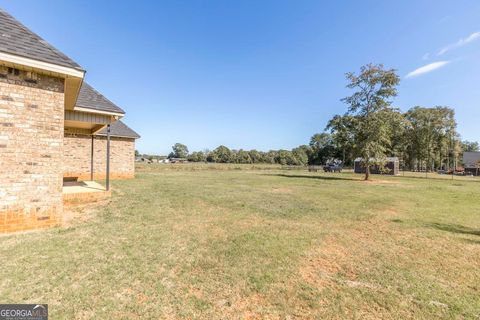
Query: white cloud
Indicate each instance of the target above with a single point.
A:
(460, 43)
(427, 68)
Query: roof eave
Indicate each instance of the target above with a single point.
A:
(63, 71)
(92, 110)
(119, 136)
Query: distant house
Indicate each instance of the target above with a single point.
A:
(471, 162)
(143, 159)
(178, 160)
(391, 167)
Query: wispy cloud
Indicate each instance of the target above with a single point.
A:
(426, 56)
(427, 68)
(460, 43)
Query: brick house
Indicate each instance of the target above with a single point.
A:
(53, 125)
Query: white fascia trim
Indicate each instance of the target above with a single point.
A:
(82, 109)
(41, 65)
(116, 136)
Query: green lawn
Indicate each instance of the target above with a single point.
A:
(202, 242)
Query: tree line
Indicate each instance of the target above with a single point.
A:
(222, 154)
(423, 138)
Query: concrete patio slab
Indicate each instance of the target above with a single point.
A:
(86, 190)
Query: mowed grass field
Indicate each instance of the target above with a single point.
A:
(256, 242)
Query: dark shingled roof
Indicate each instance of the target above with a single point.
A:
(16, 39)
(92, 99)
(119, 129)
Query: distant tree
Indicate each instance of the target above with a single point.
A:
(270, 156)
(284, 157)
(197, 156)
(301, 155)
(221, 155)
(321, 148)
(397, 125)
(342, 130)
(179, 151)
(137, 154)
(243, 156)
(256, 156)
(470, 146)
(370, 104)
(430, 137)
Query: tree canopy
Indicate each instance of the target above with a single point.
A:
(178, 151)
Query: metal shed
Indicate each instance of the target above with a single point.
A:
(391, 167)
(471, 162)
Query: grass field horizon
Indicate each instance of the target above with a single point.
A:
(242, 241)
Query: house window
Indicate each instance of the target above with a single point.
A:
(14, 71)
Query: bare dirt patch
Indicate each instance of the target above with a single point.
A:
(341, 258)
(282, 190)
(249, 307)
(378, 182)
(80, 212)
(322, 263)
(390, 211)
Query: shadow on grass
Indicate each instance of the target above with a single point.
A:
(470, 241)
(436, 177)
(298, 176)
(454, 228)
(456, 182)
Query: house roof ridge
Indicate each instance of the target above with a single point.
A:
(31, 42)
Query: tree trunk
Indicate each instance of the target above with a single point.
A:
(367, 172)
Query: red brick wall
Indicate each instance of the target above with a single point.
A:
(77, 157)
(31, 149)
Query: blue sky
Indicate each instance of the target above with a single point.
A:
(260, 74)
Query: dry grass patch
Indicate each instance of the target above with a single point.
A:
(77, 212)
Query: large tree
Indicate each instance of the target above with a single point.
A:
(374, 87)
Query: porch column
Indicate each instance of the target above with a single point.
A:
(91, 158)
(107, 176)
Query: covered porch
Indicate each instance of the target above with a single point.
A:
(84, 166)
(83, 186)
